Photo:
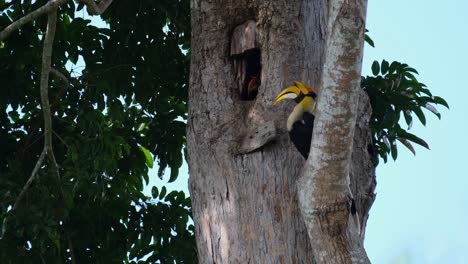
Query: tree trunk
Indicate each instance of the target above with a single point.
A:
(325, 198)
(243, 167)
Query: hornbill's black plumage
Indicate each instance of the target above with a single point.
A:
(301, 120)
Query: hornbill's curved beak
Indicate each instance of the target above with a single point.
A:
(296, 92)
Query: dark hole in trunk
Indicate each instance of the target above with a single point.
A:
(252, 75)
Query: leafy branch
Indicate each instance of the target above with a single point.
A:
(98, 114)
(51, 9)
(47, 8)
(47, 149)
(394, 91)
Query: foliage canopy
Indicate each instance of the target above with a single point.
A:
(127, 94)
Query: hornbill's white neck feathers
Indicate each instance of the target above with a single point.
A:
(301, 120)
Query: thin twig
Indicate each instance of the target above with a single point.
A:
(7, 5)
(64, 79)
(57, 174)
(30, 180)
(60, 138)
(26, 146)
(60, 75)
(97, 9)
(47, 8)
(59, 95)
(112, 68)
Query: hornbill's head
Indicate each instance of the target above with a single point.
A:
(300, 122)
(304, 96)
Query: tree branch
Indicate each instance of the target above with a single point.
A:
(51, 9)
(46, 70)
(30, 180)
(93, 9)
(36, 123)
(97, 9)
(60, 75)
(325, 199)
(60, 138)
(46, 61)
(47, 8)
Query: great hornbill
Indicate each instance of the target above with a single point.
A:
(300, 122)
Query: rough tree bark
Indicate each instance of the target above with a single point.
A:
(324, 193)
(245, 203)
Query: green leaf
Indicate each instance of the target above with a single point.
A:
(408, 119)
(393, 66)
(384, 67)
(424, 90)
(419, 113)
(402, 67)
(369, 41)
(440, 100)
(154, 192)
(142, 126)
(385, 140)
(148, 158)
(375, 68)
(384, 157)
(146, 178)
(432, 109)
(411, 76)
(407, 144)
(394, 151)
(162, 193)
(174, 174)
(409, 69)
(80, 6)
(414, 139)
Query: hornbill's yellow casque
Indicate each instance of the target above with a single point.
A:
(301, 121)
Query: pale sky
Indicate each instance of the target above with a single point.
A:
(421, 211)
